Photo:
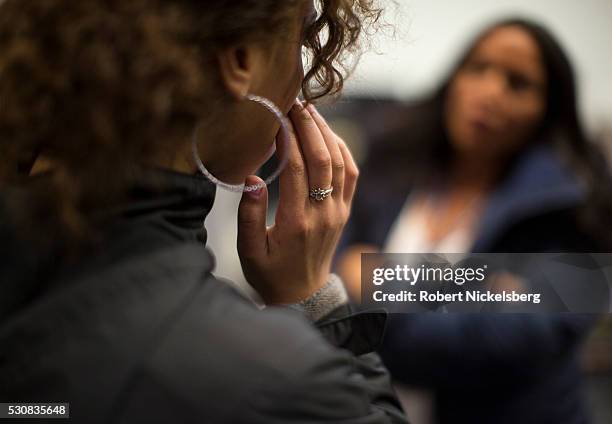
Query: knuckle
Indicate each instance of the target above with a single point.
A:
(246, 217)
(296, 168)
(334, 220)
(322, 161)
(346, 213)
(340, 215)
(338, 165)
(333, 223)
(342, 144)
(328, 222)
(301, 228)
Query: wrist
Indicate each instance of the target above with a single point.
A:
(292, 292)
(329, 297)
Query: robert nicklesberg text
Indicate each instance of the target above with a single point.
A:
(466, 296)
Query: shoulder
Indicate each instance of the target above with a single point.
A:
(222, 352)
(159, 328)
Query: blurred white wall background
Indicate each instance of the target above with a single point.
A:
(430, 34)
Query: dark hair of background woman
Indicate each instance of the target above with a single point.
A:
(429, 152)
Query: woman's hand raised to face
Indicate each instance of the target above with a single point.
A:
(291, 260)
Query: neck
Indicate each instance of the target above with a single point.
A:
(180, 160)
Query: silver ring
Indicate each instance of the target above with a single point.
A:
(319, 194)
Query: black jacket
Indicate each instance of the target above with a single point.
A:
(141, 331)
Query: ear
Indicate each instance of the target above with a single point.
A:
(237, 67)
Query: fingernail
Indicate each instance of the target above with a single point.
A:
(255, 194)
(253, 182)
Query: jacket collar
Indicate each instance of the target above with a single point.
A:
(163, 208)
(177, 201)
(539, 182)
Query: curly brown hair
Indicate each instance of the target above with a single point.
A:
(96, 85)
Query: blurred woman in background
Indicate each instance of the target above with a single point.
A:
(108, 301)
(496, 161)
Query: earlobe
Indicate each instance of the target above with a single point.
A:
(236, 70)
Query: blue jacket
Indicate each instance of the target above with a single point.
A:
(492, 368)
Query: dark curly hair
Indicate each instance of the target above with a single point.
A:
(97, 85)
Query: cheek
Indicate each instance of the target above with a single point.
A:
(294, 84)
(521, 124)
(460, 94)
(295, 67)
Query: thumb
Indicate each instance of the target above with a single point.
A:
(252, 220)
